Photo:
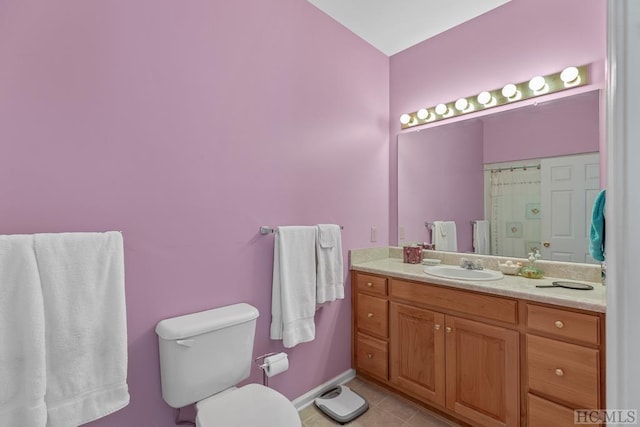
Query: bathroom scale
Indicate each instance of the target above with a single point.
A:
(342, 404)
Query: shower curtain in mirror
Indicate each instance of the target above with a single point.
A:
(515, 211)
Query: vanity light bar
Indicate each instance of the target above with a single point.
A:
(568, 78)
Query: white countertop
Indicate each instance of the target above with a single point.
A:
(509, 286)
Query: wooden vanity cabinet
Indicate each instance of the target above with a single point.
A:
(564, 364)
(370, 353)
(484, 359)
(466, 366)
(461, 366)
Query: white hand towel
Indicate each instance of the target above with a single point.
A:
(444, 236)
(330, 281)
(481, 236)
(293, 298)
(22, 340)
(82, 277)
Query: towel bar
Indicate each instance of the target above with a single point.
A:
(265, 229)
(430, 225)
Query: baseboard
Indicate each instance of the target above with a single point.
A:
(308, 398)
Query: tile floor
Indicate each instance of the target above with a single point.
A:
(385, 410)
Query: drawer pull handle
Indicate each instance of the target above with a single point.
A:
(369, 356)
(437, 327)
(369, 284)
(370, 315)
(559, 372)
(448, 329)
(559, 324)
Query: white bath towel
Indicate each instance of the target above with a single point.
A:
(329, 279)
(293, 298)
(444, 236)
(481, 237)
(22, 339)
(82, 277)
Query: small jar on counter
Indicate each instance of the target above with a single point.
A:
(412, 254)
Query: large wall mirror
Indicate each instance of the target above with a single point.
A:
(530, 175)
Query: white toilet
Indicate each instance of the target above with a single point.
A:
(203, 356)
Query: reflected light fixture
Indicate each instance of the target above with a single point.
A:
(540, 85)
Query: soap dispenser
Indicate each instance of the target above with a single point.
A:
(531, 271)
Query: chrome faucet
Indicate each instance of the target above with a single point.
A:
(470, 264)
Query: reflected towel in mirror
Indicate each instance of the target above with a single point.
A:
(481, 237)
(444, 236)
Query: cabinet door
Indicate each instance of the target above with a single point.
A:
(417, 352)
(482, 372)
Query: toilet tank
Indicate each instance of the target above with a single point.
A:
(204, 353)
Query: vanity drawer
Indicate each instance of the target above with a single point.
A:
(372, 284)
(543, 413)
(373, 315)
(490, 307)
(372, 356)
(564, 324)
(564, 371)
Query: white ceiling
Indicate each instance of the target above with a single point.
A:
(395, 25)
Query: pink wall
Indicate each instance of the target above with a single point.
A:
(513, 42)
(453, 154)
(187, 125)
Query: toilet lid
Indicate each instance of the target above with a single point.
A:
(251, 405)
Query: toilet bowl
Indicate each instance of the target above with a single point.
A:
(204, 356)
(250, 405)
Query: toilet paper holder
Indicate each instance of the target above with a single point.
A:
(260, 361)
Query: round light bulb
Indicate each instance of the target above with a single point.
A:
(422, 113)
(569, 74)
(537, 83)
(509, 90)
(484, 98)
(462, 104)
(441, 109)
(405, 119)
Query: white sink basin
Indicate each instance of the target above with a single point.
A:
(453, 272)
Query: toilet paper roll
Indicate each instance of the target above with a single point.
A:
(276, 364)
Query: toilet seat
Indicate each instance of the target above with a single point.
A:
(247, 406)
